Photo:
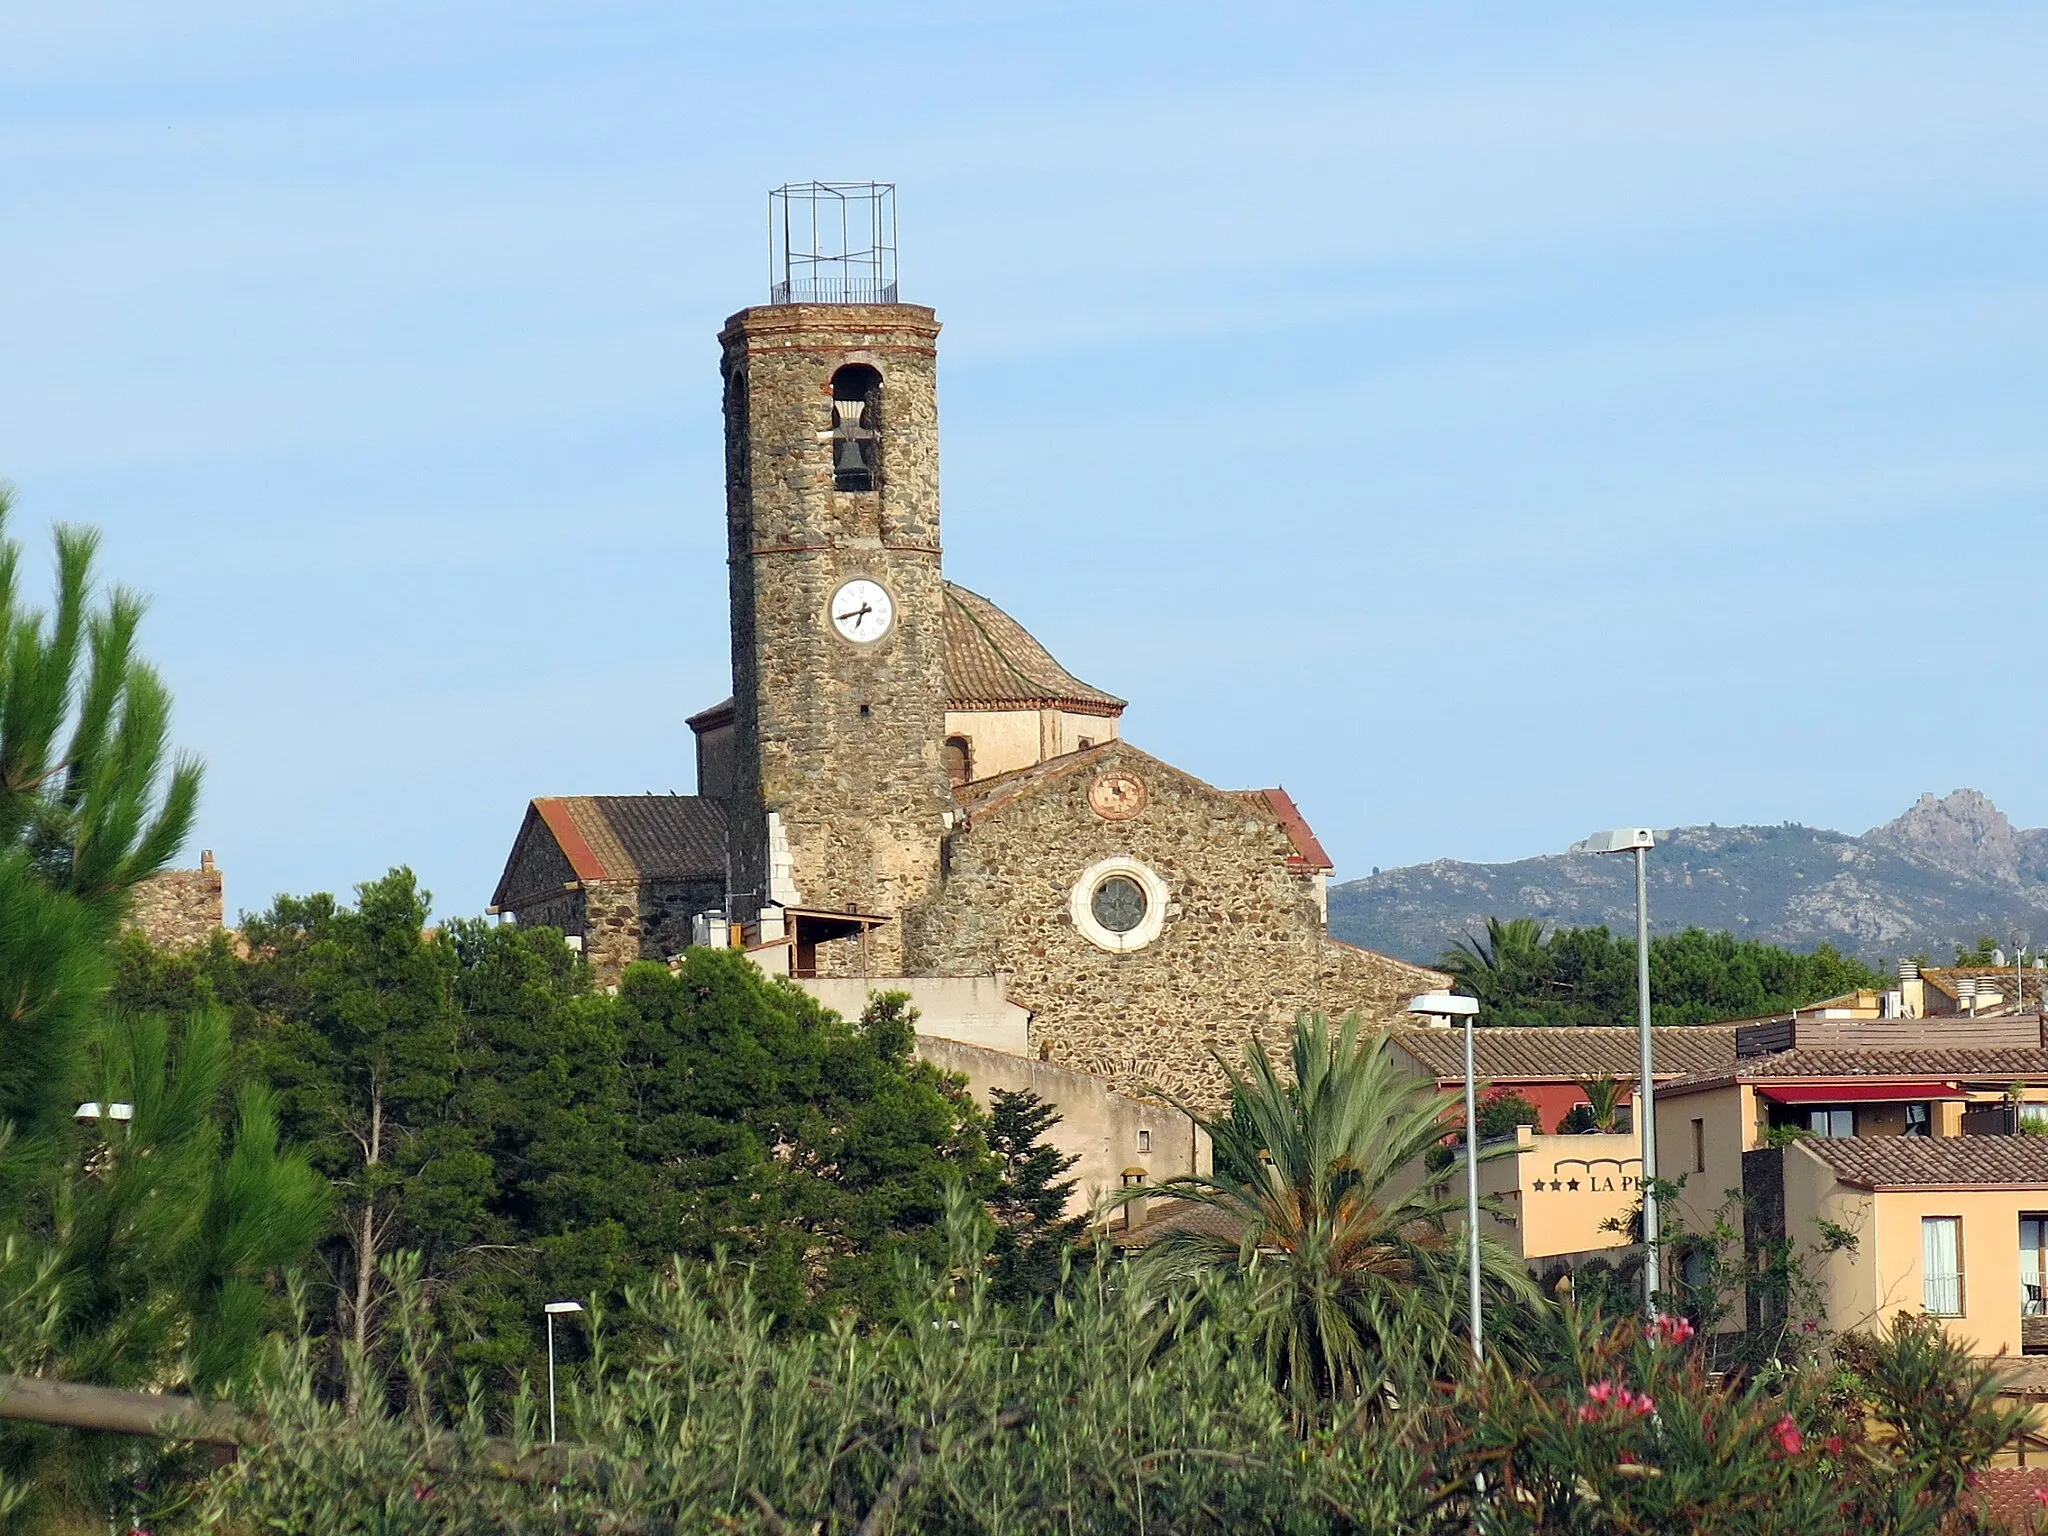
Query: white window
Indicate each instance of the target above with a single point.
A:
(1918, 1121)
(1144, 1141)
(1941, 1265)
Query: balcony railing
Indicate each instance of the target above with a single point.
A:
(1943, 1295)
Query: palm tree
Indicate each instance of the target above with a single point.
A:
(1603, 1095)
(1491, 966)
(1322, 1207)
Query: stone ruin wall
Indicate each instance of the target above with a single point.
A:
(180, 908)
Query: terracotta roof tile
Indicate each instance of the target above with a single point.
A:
(992, 662)
(1277, 803)
(638, 837)
(1995, 1062)
(1934, 1162)
(2012, 1494)
(1567, 1054)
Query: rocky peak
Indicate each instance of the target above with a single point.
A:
(1964, 834)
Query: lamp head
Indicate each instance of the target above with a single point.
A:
(1444, 1005)
(1620, 840)
(559, 1307)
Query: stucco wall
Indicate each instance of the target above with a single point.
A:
(1099, 1127)
(1990, 1252)
(1558, 1190)
(1728, 1115)
(1005, 740)
(1241, 953)
(973, 1010)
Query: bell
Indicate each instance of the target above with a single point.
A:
(850, 459)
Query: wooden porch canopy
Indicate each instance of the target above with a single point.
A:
(811, 926)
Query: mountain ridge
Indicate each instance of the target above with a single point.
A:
(1942, 873)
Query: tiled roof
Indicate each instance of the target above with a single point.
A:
(2003, 1063)
(2012, 1494)
(1166, 1215)
(1934, 1162)
(1567, 1053)
(992, 662)
(1946, 978)
(635, 837)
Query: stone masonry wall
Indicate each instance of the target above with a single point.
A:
(180, 908)
(624, 920)
(1242, 953)
(841, 741)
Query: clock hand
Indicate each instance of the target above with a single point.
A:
(859, 613)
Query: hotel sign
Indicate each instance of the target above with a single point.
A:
(1593, 1176)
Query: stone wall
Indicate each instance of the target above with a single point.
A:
(624, 920)
(840, 740)
(1243, 950)
(1108, 1132)
(180, 908)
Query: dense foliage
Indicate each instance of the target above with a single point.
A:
(474, 1102)
(142, 1206)
(1130, 1405)
(1523, 974)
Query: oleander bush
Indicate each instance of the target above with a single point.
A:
(1120, 1407)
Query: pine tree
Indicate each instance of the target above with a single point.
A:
(140, 1239)
(1034, 1235)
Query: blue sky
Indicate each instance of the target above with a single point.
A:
(1489, 422)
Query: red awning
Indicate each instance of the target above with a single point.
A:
(1856, 1093)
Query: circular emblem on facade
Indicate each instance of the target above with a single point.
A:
(1117, 796)
(862, 611)
(1118, 905)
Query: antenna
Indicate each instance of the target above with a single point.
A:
(832, 242)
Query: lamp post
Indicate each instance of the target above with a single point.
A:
(1639, 841)
(1446, 1006)
(555, 1309)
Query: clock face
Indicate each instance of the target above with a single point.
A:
(862, 611)
(1117, 796)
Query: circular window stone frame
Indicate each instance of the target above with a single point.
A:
(1081, 905)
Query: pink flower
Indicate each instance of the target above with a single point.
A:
(1789, 1438)
(1834, 1445)
(1600, 1391)
(2041, 1495)
(1671, 1330)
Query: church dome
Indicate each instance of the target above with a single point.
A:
(993, 663)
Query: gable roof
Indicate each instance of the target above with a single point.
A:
(1567, 1053)
(1277, 803)
(624, 837)
(993, 662)
(1934, 1162)
(1999, 1064)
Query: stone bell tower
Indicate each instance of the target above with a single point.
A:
(832, 513)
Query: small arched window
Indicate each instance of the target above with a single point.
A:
(856, 428)
(959, 759)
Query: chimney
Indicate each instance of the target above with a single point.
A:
(1966, 994)
(1912, 990)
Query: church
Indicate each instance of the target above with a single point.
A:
(907, 791)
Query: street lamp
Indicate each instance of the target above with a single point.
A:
(1639, 841)
(1446, 1006)
(555, 1309)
